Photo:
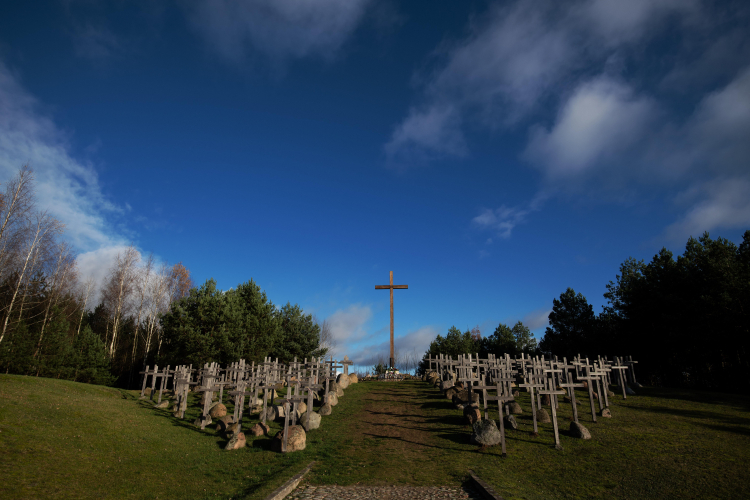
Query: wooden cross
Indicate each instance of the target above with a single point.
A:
(391, 287)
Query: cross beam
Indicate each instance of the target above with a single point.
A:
(391, 287)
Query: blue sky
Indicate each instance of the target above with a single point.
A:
(490, 154)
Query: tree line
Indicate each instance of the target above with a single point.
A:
(686, 320)
(147, 312)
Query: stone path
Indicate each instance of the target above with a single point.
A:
(310, 492)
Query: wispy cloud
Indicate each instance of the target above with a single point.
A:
(348, 326)
(414, 343)
(66, 186)
(96, 42)
(595, 90)
(501, 221)
(279, 29)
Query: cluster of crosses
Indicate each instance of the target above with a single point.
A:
(241, 380)
(492, 379)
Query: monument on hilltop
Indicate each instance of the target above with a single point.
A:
(391, 287)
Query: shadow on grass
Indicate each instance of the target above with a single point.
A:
(736, 401)
(740, 424)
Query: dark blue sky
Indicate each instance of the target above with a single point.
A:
(491, 154)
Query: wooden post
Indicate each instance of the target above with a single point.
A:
(391, 287)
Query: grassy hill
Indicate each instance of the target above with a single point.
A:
(62, 439)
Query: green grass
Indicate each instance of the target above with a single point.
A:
(67, 440)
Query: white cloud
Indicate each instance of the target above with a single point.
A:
(348, 326)
(414, 344)
(503, 220)
(425, 134)
(95, 42)
(278, 28)
(602, 120)
(536, 319)
(65, 186)
(520, 58)
(723, 203)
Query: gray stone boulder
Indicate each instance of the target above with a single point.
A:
(605, 413)
(218, 411)
(545, 399)
(224, 422)
(295, 440)
(485, 433)
(301, 408)
(310, 420)
(353, 379)
(343, 381)
(446, 384)
(333, 399)
(515, 408)
(449, 393)
(462, 397)
(163, 405)
(236, 442)
(260, 429)
(543, 417)
(579, 431)
(472, 414)
(510, 422)
(197, 421)
(325, 410)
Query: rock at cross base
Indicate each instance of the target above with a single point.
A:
(545, 400)
(333, 399)
(579, 431)
(446, 384)
(238, 441)
(542, 416)
(197, 422)
(231, 429)
(610, 393)
(224, 422)
(472, 414)
(353, 379)
(605, 413)
(585, 385)
(339, 390)
(450, 393)
(515, 408)
(295, 440)
(510, 422)
(310, 420)
(343, 381)
(462, 397)
(516, 394)
(163, 404)
(218, 411)
(325, 410)
(301, 408)
(485, 433)
(259, 429)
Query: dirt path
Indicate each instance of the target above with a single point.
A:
(393, 415)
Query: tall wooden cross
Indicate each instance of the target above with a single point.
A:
(391, 287)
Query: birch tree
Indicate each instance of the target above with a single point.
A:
(118, 288)
(40, 228)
